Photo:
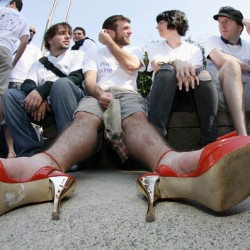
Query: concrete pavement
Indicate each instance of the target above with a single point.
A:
(106, 212)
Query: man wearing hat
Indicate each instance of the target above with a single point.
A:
(229, 64)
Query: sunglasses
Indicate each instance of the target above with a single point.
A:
(33, 31)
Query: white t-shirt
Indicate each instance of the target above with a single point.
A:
(88, 45)
(241, 51)
(67, 62)
(12, 27)
(161, 51)
(31, 54)
(109, 71)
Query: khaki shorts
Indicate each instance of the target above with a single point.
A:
(131, 102)
(5, 67)
(246, 87)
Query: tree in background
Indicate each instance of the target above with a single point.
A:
(144, 79)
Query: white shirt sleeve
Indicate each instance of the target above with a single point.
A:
(210, 44)
(88, 45)
(154, 53)
(76, 62)
(90, 61)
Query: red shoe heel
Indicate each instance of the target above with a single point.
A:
(46, 184)
(220, 182)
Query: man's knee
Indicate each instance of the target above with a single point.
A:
(60, 83)
(134, 118)
(166, 72)
(230, 67)
(86, 117)
(12, 94)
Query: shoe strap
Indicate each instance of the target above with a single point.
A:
(53, 159)
(231, 134)
(162, 157)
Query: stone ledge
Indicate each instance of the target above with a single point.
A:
(184, 129)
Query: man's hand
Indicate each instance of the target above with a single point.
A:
(32, 101)
(106, 36)
(246, 22)
(185, 75)
(39, 114)
(105, 99)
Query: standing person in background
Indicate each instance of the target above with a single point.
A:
(82, 42)
(18, 74)
(228, 61)
(31, 54)
(13, 26)
(180, 82)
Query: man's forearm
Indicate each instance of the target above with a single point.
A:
(20, 50)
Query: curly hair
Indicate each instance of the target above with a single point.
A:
(51, 32)
(111, 22)
(176, 20)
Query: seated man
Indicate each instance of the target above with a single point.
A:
(180, 82)
(18, 74)
(45, 97)
(229, 64)
(110, 74)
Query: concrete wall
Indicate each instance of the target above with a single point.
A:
(184, 129)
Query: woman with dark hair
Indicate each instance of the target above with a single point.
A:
(180, 82)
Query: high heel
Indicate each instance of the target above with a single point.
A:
(147, 185)
(220, 182)
(46, 184)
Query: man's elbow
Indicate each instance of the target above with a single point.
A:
(24, 39)
(131, 67)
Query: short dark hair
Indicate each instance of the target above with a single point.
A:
(51, 32)
(111, 22)
(176, 20)
(19, 4)
(80, 28)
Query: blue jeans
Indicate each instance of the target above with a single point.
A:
(64, 97)
(165, 98)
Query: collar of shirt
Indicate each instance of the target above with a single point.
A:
(227, 42)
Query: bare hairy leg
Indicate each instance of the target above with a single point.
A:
(231, 83)
(147, 145)
(76, 143)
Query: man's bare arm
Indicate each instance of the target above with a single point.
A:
(128, 61)
(23, 43)
(219, 58)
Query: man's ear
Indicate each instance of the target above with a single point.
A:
(111, 33)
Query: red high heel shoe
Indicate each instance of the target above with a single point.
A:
(44, 185)
(221, 181)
